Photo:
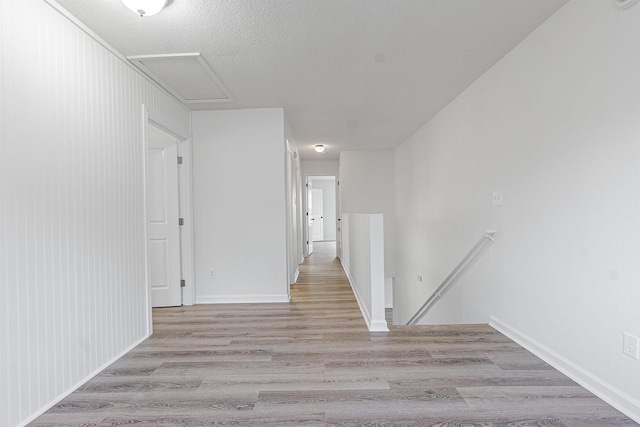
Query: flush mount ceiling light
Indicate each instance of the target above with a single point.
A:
(145, 7)
(625, 4)
(319, 148)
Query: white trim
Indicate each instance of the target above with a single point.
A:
(605, 391)
(138, 61)
(296, 274)
(77, 385)
(145, 167)
(379, 326)
(373, 326)
(240, 299)
(186, 208)
(164, 125)
(305, 205)
(187, 233)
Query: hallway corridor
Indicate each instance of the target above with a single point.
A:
(312, 362)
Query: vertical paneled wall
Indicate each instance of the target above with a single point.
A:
(72, 259)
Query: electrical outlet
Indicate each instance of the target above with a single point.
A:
(212, 274)
(496, 198)
(630, 346)
(419, 277)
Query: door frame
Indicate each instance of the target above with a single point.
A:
(308, 233)
(185, 150)
(305, 194)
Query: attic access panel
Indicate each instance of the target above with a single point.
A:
(186, 75)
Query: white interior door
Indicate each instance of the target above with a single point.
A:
(162, 219)
(317, 216)
(309, 218)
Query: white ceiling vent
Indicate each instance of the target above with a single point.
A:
(186, 75)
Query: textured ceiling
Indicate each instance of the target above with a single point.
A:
(350, 74)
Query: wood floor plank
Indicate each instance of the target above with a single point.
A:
(361, 399)
(296, 383)
(246, 368)
(312, 362)
(158, 357)
(107, 384)
(465, 418)
(486, 379)
(338, 356)
(248, 418)
(50, 419)
(202, 401)
(538, 396)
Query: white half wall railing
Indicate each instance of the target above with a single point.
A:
(363, 262)
(462, 265)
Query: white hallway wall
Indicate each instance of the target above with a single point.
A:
(72, 246)
(555, 126)
(320, 167)
(367, 187)
(239, 205)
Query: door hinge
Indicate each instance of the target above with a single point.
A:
(180, 221)
(179, 160)
(183, 283)
(306, 185)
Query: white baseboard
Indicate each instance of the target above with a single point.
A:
(363, 308)
(295, 276)
(605, 391)
(240, 299)
(379, 326)
(373, 326)
(80, 383)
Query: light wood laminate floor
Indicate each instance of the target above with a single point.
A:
(312, 362)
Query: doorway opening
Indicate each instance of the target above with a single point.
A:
(168, 215)
(163, 218)
(322, 219)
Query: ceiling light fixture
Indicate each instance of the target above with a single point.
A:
(145, 7)
(319, 148)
